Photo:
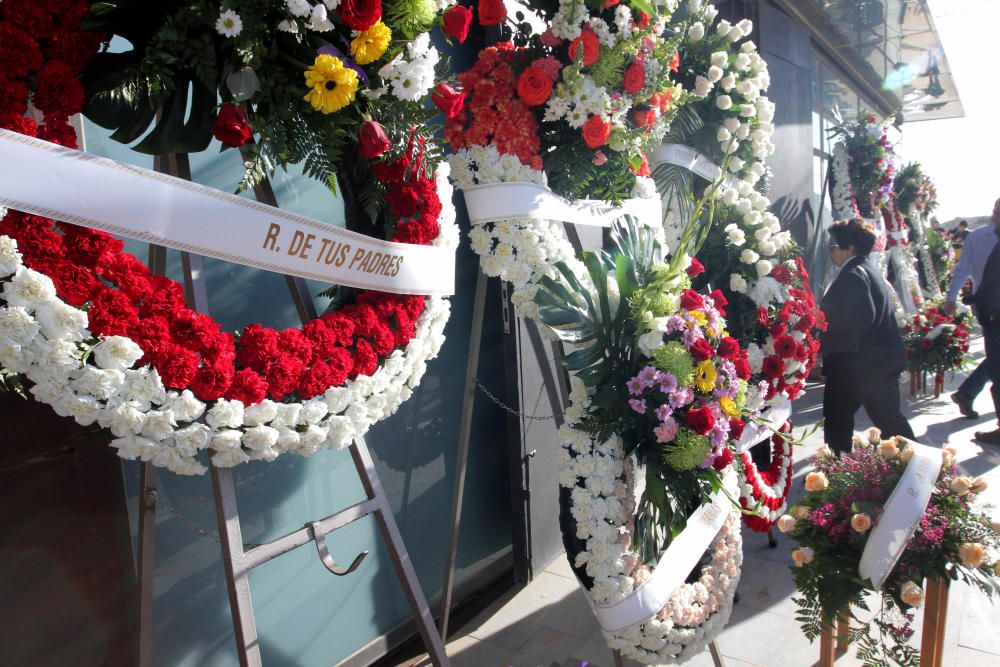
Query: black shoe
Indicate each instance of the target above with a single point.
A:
(988, 437)
(964, 405)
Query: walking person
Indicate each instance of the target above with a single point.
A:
(863, 353)
(980, 262)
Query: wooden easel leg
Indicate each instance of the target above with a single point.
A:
(843, 628)
(929, 636)
(827, 648)
(619, 661)
(942, 622)
(717, 659)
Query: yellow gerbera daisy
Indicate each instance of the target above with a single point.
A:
(699, 317)
(704, 376)
(370, 44)
(728, 407)
(332, 85)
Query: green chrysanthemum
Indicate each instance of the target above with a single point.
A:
(412, 17)
(689, 450)
(674, 358)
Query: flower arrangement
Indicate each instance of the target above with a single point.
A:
(584, 100)
(764, 493)
(936, 342)
(101, 339)
(870, 166)
(915, 192)
(842, 505)
(320, 83)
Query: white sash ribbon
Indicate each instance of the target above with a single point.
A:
(55, 182)
(775, 417)
(901, 515)
(689, 158)
(674, 566)
(509, 201)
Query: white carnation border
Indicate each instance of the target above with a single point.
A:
(44, 339)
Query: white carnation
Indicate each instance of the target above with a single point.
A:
(225, 413)
(10, 258)
(29, 289)
(117, 353)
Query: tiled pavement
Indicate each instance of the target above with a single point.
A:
(549, 624)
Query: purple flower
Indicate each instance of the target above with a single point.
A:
(681, 397)
(663, 412)
(332, 50)
(634, 386)
(690, 336)
(637, 405)
(648, 376)
(667, 382)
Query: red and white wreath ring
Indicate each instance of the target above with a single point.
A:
(767, 491)
(104, 341)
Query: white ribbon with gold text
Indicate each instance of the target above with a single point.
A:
(518, 201)
(55, 182)
(674, 566)
(901, 515)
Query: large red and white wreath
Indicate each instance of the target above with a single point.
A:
(103, 340)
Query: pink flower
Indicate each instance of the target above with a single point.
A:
(599, 158)
(637, 405)
(666, 431)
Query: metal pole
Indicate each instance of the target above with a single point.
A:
(464, 436)
(397, 551)
(146, 564)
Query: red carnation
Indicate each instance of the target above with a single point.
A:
(695, 268)
(283, 376)
(701, 350)
(220, 349)
(32, 16)
(456, 22)
(364, 317)
(212, 381)
(295, 343)
(152, 334)
(258, 347)
(14, 97)
(365, 360)
(193, 330)
(635, 77)
(316, 380)
(729, 347)
(773, 366)
(587, 47)
(360, 14)
(341, 326)
(167, 297)
(231, 126)
(492, 12)
(75, 285)
(248, 387)
(383, 340)
(19, 53)
(736, 427)
(784, 346)
(15, 122)
(781, 273)
(111, 314)
(177, 366)
(700, 420)
(691, 300)
(57, 90)
(341, 363)
(447, 99)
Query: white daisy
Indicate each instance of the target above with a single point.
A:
(229, 24)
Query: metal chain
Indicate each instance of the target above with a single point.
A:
(507, 408)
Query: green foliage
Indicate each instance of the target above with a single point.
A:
(571, 170)
(688, 450)
(674, 358)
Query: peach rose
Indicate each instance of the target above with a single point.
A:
(907, 454)
(802, 556)
(948, 454)
(979, 484)
(972, 554)
(996, 568)
(874, 436)
(816, 481)
(824, 451)
(912, 594)
(786, 523)
(802, 512)
(888, 449)
(961, 485)
(861, 522)
(857, 440)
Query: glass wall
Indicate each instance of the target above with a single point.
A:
(305, 615)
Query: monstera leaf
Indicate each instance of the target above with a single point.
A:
(673, 182)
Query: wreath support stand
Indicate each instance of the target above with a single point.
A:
(236, 559)
(931, 637)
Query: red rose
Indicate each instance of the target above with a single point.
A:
(763, 319)
(695, 268)
(447, 99)
(491, 12)
(248, 387)
(635, 78)
(587, 47)
(742, 367)
(720, 301)
(723, 460)
(534, 86)
(372, 140)
(19, 53)
(691, 300)
(258, 346)
(644, 117)
(456, 22)
(212, 382)
(729, 347)
(736, 429)
(365, 360)
(700, 420)
(773, 366)
(701, 350)
(177, 366)
(360, 14)
(596, 131)
(231, 126)
(784, 346)
(283, 376)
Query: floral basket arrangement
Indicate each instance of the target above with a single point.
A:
(86, 327)
(937, 343)
(842, 508)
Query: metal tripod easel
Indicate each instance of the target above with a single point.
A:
(237, 559)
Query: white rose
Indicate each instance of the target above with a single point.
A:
(696, 32)
(748, 256)
(741, 62)
(730, 196)
(764, 267)
(748, 110)
(727, 82)
(117, 353)
(723, 102)
(737, 236)
(723, 135)
(260, 413)
(225, 413)
(702, 86)
(767, 248)
(720, 59)
(737, 283)
(714, 73)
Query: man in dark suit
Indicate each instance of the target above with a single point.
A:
(863, 353)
